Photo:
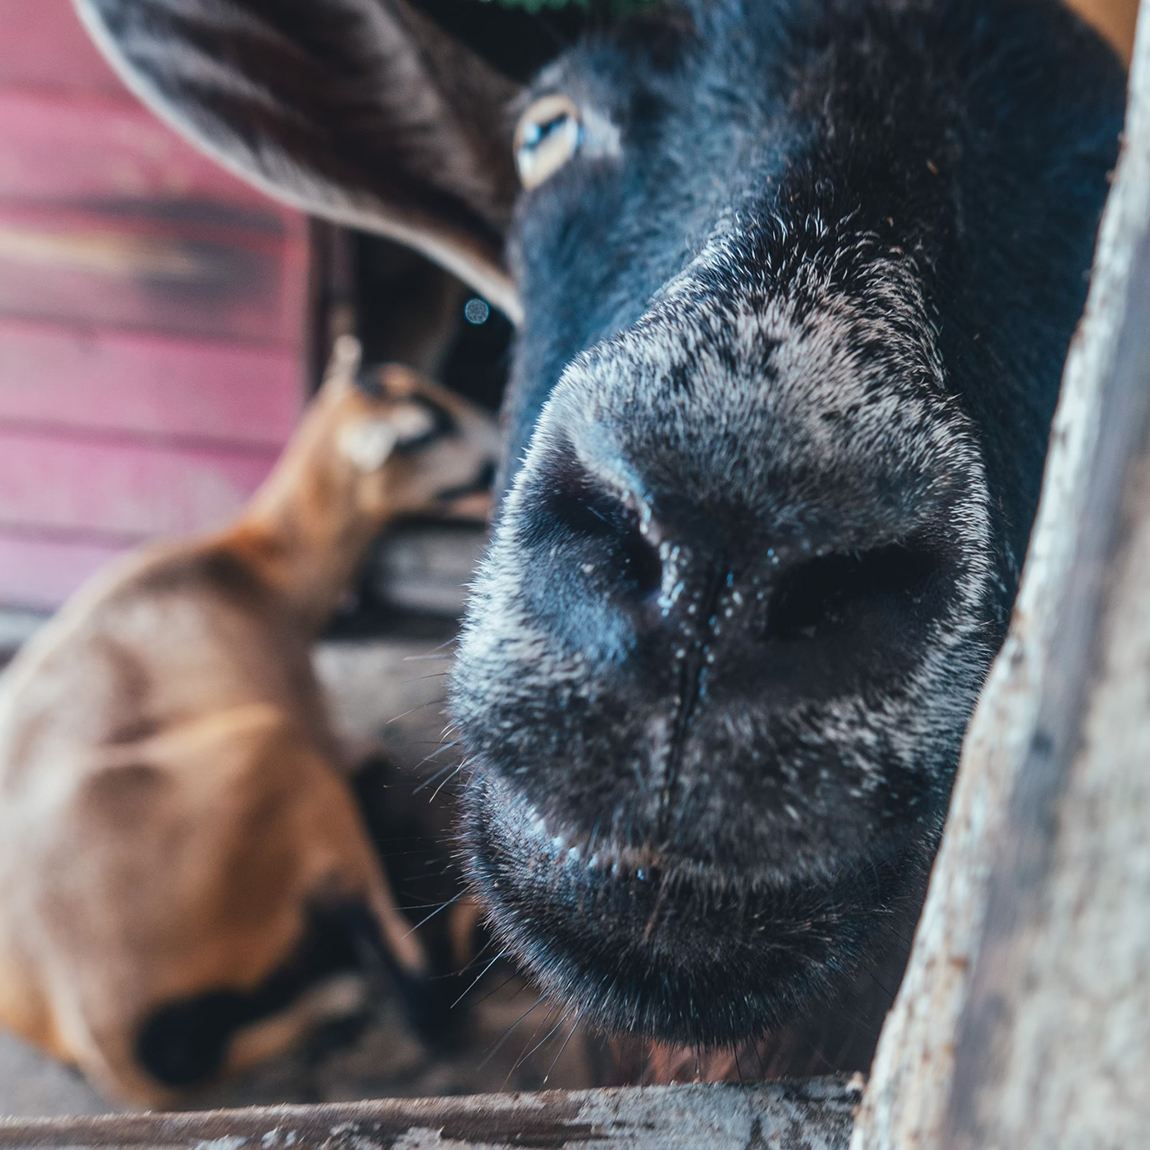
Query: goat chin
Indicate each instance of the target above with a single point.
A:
(638, 942)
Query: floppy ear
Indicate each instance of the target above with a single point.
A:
(361, 111)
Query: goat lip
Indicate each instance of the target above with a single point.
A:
(680, 952)
(586, 857)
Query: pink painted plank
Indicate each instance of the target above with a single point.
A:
(177, 276)
(42, 572)
(148, 384)
(64, 146)
(44, 44)
(153, 312)
(116, 485)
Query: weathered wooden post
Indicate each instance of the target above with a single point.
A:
(1024, 1018)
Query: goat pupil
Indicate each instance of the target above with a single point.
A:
(536, 133)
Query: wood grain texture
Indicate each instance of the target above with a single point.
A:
(814, 1115)
(1055, 1039)
(152, 307)
(83, 148)
(907, 1101)
(122, 487)
(40, 571)
(131, 270)
(147, 384)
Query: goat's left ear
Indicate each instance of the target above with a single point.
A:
(361, 111)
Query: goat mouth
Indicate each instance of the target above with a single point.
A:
(640, 942)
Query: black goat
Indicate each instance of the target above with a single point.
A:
(797, 278)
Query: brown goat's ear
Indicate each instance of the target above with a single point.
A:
(361, 111)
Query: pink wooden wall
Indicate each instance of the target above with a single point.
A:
(152, 318)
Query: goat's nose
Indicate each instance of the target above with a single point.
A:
(628, 570)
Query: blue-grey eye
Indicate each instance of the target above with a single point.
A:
(548, 135)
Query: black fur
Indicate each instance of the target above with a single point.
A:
(795, 320)
(793, 351)
(184, 1043)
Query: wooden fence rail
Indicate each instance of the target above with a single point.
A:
(812, 1115)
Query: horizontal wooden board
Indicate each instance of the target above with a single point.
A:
(40, 571)
(105, 268)
(815, 1114)
(152, 385)
(57, 146)
(86, 483)
(153, 317)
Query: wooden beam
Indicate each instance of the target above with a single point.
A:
(1025, 827)
(813, 1115)
(1055, 1038)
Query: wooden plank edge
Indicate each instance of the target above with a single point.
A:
(812, 1115)
(908, 1098)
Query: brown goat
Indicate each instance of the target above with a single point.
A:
(171, 809)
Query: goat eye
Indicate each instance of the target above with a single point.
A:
(548, 135)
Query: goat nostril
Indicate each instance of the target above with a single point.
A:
(642, 568)
(605, 529)
(832, 591)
